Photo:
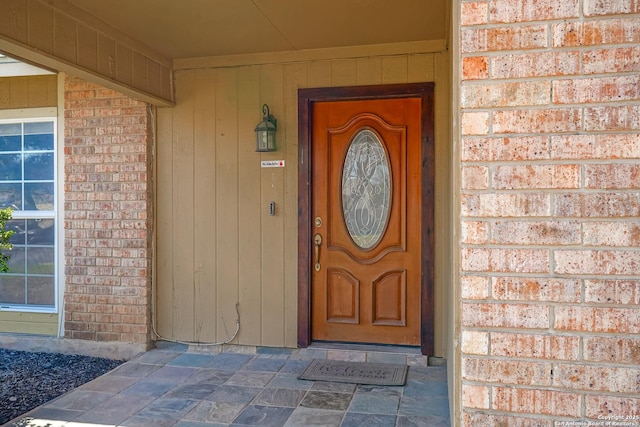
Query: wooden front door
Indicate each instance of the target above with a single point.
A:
(367, 214)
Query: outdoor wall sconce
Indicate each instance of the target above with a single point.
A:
(266, 131)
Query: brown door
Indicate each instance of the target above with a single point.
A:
(366, 221)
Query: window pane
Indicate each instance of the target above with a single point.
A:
(38, 136)
(38, 166)
(16, 263)
(10, 167)
(40, 290)
(40, 261)
(19, 227)
(10, 137)
(40, 231)
(12, 289)
(38, 196)
(10, 142)
(10, 196)
(42, 141)
(38, 127)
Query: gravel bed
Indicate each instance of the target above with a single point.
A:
(28, 380)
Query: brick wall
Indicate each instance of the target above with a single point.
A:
(550, 285)
(108, 213)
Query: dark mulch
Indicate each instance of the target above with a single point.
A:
(28, 380)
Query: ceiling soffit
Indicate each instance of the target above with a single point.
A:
(203, 28)
(152, 36)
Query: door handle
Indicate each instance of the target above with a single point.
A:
(317, 240)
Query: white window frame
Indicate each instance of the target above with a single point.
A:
(27, 115)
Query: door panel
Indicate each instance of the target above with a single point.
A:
(366, 205)
(343, 297)
(390, 299)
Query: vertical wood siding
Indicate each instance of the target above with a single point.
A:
(41, 32)
(216, 242)
(28, 92)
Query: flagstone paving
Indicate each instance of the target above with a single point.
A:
(174, 387)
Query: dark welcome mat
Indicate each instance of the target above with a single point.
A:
(355, 372)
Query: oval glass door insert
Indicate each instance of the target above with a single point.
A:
(366, 189)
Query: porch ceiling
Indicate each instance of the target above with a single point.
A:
(202, 28)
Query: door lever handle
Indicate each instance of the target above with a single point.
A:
(317, 240)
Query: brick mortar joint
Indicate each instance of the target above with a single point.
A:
(549, 23)
(547, 302)
(581, 361)
(584, 393)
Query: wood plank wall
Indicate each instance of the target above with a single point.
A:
(28, 92)
(62, 37)
(216, 242)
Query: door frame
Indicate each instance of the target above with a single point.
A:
(306, 99)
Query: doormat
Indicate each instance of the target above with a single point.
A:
(355, 372)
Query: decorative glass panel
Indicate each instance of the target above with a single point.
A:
(366, 189)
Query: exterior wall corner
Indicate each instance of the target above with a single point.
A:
(108, 213)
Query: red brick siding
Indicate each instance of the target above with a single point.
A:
(108, 213)
(550, 182)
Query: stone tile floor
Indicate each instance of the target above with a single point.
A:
(172, 386)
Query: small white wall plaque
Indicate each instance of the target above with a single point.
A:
(272, 163)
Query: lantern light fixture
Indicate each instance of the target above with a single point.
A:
(266, 131)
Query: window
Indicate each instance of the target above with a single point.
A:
(28, 187)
